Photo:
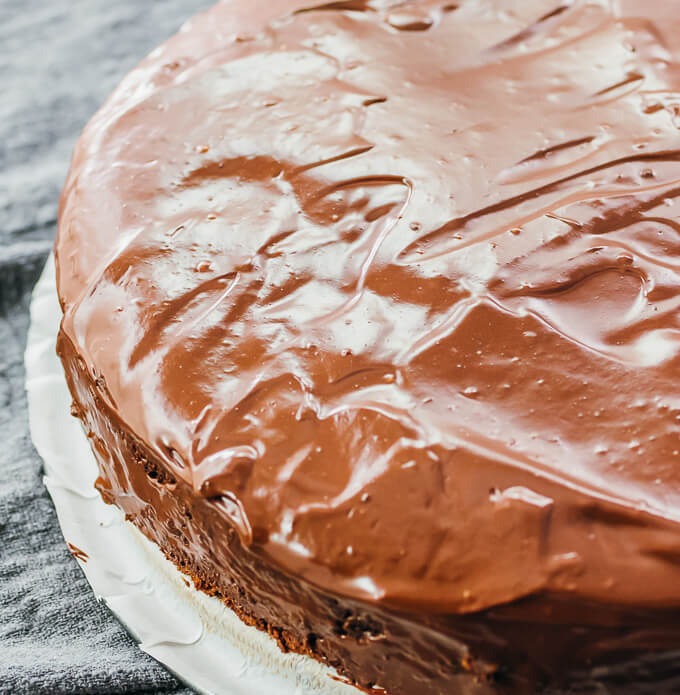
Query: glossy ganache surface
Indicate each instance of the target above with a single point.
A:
(394, 286)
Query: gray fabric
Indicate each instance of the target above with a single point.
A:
(58, 61)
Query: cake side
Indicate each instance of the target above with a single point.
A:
(544, 646)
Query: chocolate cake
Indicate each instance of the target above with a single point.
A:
(371, 315)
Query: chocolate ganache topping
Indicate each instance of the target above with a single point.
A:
(396, 286)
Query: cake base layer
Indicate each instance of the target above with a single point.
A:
(541, 646)
(300, 673)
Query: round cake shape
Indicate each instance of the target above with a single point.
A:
(370, 312)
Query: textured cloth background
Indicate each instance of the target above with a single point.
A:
(58, 61)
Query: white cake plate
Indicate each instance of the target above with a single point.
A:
(193, 635)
